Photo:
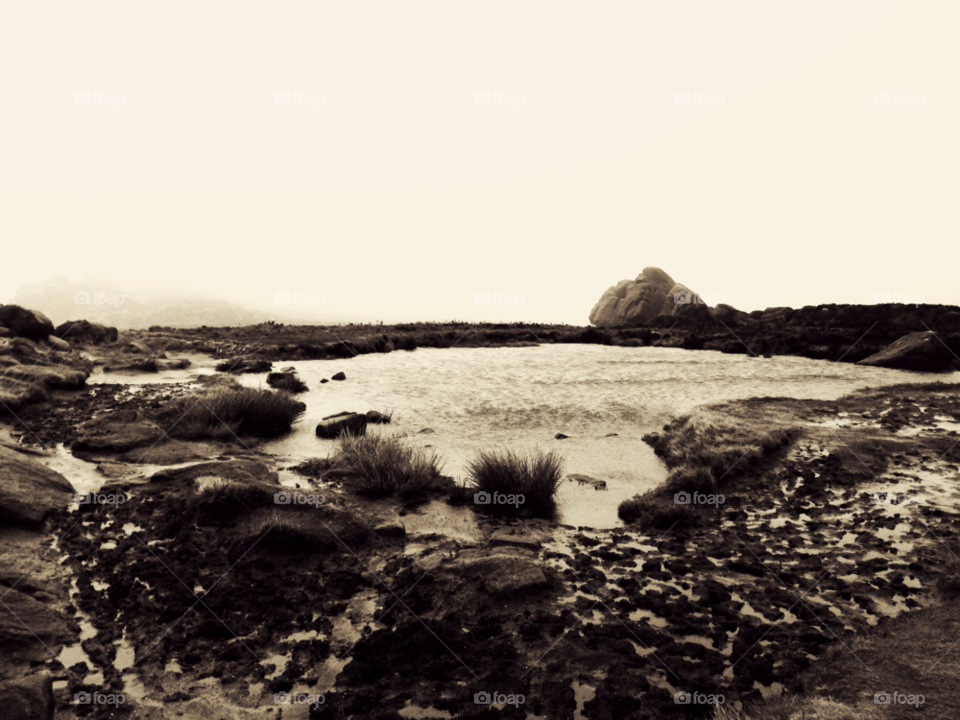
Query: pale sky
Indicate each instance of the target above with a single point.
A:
(385, 188)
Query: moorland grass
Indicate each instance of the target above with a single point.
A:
(535, 475)
(378, 466)
(223, 412)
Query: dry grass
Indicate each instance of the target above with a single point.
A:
(379, 466)
(537, 476)
(222, 413)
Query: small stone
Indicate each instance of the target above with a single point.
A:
(339, 376)
(560, 436)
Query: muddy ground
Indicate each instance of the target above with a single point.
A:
(198, 608)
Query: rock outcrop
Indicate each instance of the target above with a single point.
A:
(25, 323)
(922, 351)
(29, 490)
(352, 424)
(83, 332)
(636, 302)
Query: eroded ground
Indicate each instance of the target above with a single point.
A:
(199, 610)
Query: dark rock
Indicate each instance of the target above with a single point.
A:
(921, 351)
(353, 424)
(286, 381)
(560, 436)
(244, 365)
(377, 418)
(25, 323)
(29, 490)
(339, 414)
(324, 381)
(339, 376)
(727, 313)
(27, 699)
(391, 529)
(84, 332)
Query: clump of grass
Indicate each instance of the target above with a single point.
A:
(726, 450)
(656, 512)
(381, 466)
(226, 497)
(224, 412)
(537, 476)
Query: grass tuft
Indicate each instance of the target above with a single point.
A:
(379, 466)
(224, 412)
(537, 476)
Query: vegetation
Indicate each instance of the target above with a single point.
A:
(379, 466)
(537, 476)
(224, 412)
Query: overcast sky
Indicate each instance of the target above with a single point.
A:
(344, 151)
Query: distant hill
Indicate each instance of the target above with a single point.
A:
(134, 308)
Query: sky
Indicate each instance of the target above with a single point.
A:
(498, 161)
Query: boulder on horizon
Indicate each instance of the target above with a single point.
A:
(633, 302)
(920, 351)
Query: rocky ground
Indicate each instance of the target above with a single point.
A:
(191, 606)
(827, 575)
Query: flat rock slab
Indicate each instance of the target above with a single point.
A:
(27, 699)
(26, 625)
(922, 351)
(503, 571)
(252, 471)
(29, 490)
(354, 424)
(505, 536)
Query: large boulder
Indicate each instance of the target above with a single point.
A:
(29, 490)
(923, 351)
(29, 324)
(633, 302)
(84, 332)
(636, 302)
(352, 424)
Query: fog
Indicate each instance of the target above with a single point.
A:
(487, 161)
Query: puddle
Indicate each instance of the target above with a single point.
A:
(584, 693)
